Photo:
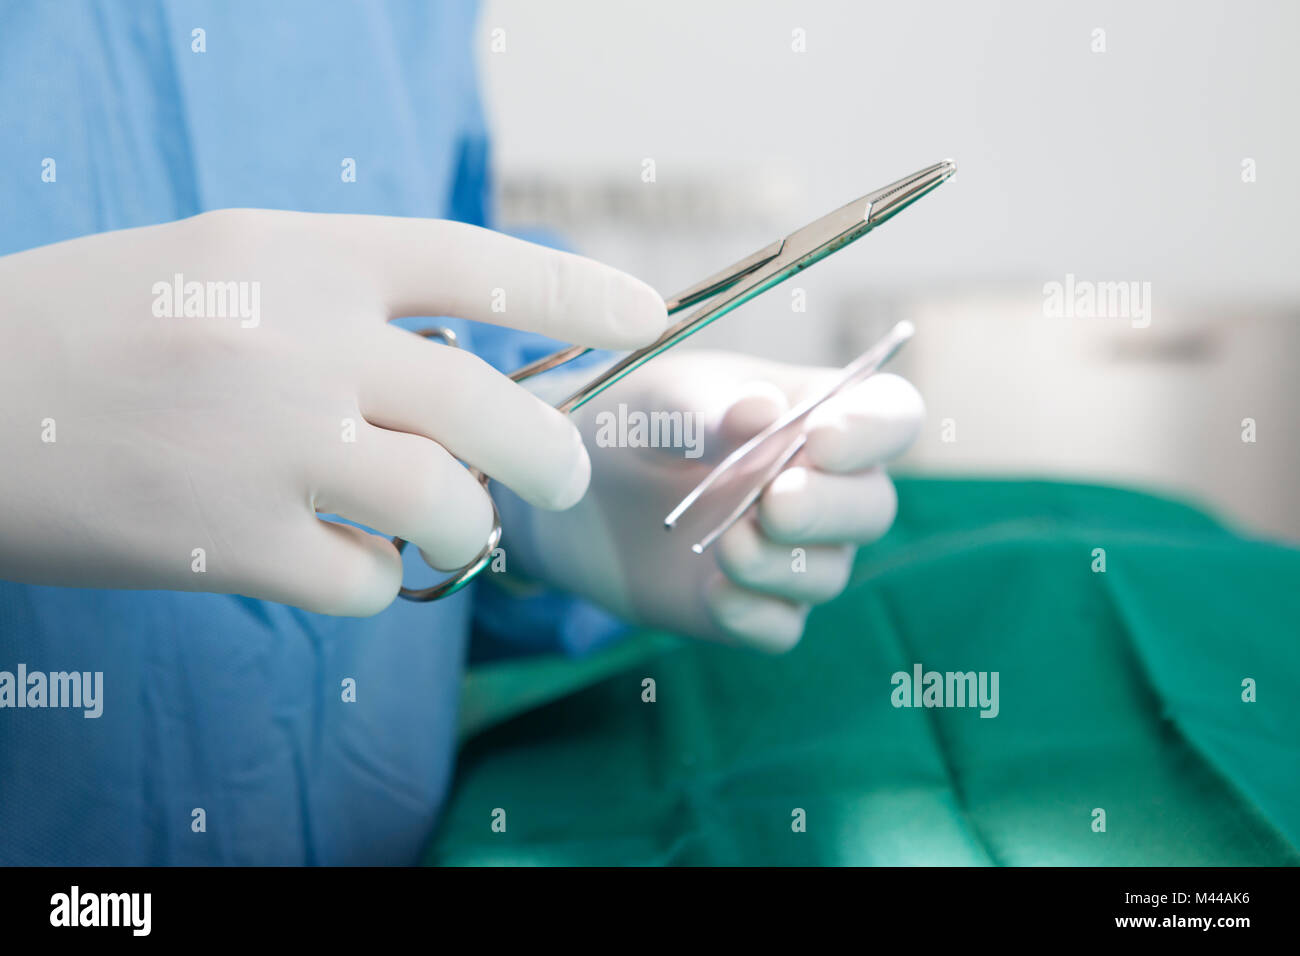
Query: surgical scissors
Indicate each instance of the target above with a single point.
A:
(727, 289)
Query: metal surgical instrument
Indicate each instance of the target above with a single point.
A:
(860, 369)
(720, 293)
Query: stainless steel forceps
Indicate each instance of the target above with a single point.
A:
(729, 288)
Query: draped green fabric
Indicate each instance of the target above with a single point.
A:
(1118, 691)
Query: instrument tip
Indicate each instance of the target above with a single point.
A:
(885, 202)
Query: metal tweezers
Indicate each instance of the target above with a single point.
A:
(729, 288)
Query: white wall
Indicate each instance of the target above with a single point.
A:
(1122, 165)
(1125, 163)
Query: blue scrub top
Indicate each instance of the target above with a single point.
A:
(213, 702)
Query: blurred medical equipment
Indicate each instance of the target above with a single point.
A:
(729, 288)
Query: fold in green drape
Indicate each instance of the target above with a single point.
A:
(1120, 691)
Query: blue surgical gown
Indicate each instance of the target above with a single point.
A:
(211, 702)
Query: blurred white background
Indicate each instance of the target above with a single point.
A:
(1122, 165)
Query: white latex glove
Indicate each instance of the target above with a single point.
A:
(752, 587)
(229, 434)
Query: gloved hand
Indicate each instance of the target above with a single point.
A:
(756, 584)
(139, 427)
